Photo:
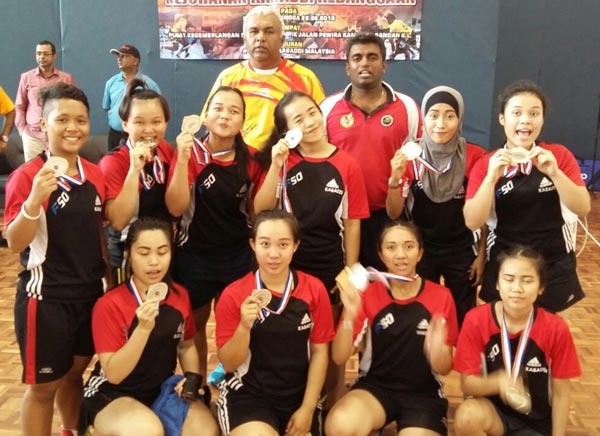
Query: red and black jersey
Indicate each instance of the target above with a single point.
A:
(442, 225)
(216, 221)
(550, 353)
(151, 201)
(372, 139)
(65, 256)
(113, 322)
(395, 335)
(527, 208)
(322, 193)
(279, 355)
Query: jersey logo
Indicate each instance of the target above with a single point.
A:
(332, 186)
(207, 183)
(494, 352)
(505, 188)
(60, 202)
(534, 365)
(46, 370)
(387, 120)
(385, 322)
(347, 120)
(98, 204)
(242, 192)
(422, 327)
(179, 333)
(296, 178)
(306, 323)
(546, 185)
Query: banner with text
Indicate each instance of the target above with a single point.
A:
(314, 29)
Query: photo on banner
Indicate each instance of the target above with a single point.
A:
(314, 29)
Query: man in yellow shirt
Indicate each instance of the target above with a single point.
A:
(265, 76)
(7, 108)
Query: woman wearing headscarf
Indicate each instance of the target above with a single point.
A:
(432, 185)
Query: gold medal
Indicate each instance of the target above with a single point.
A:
(518, 399)
(518, 155)
(191, 124)
(157, 292)
(57, 164)
(263, 297)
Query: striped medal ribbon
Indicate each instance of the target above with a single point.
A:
(524, 168)
(202, 155)
(158, 170)
(386, 277)
(285, 298)
(514, 369)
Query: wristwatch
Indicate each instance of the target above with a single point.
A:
(4, 138)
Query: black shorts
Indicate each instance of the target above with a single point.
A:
(409, 410)
(235, 408)
(49, 335)
(205, 276)
(562, 288)
(514, 425)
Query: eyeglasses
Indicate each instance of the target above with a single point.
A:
(43, 53)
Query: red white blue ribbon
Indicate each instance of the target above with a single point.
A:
(202, 155)
(386, 277)
(283, 195)
(136, 294)
(285, 298)
(158, 170)
(524, 168)
(513, 370)
(68, 182)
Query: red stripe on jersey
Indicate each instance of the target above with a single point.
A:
(30, 341)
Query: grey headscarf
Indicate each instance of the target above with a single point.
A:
(443, 187)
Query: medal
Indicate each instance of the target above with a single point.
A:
(411, 150)
(57, 164)
(519, 161)
(264, 312)
(191, 124)
(518, 155)
(293, 137)
(518, 399)
(157, 292)
(158, 168)
(263, 297)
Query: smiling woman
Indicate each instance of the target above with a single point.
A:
(529, 201)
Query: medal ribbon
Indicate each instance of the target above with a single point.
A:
(285, 298)
(203, 156)
(513, 371)
(67, 182)
(524, 168)
(283, 196)
(386, 278)
(158, 170)
(134, 291)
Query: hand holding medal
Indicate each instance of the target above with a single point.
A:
(58, 165)
(185, 140)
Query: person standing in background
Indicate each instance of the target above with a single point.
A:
(128, 59)
(265, 77)
(370, 121)
(28, 110)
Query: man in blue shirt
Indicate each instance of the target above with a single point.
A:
(128, 59)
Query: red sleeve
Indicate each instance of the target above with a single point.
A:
(470, 346)
(322, 331)
(358, 205)
(114, 166)
(477, 175)
(563, 358)
(474, 153)
(566, 162)
(109, 328)
(18, 187)
(451, 320)
(255, 171)
(227, 314)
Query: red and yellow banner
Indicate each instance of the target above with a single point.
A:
(314, 29)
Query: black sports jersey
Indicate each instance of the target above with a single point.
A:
(395, 334)
(151, 200)
(216, 221)
(442, 225)
(113, 322)
(279, 355)
(65, 256)
(550, 353)
(322, 193)
(527, 209)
